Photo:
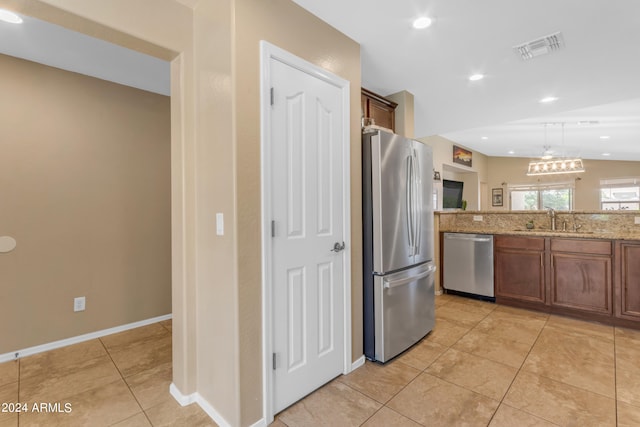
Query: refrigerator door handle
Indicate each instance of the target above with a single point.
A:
(417, 196)
(405, 281)
(409, 205)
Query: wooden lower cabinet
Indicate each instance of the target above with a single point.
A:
(593, 279)
(569, 276)
(627, 299)
(581, 275)
(519, 272)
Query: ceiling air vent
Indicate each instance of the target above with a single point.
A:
(541, 46)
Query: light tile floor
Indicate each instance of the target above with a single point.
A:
(490, 365)
(482, 365)
(117, 380)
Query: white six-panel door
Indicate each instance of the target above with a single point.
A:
(307, 120)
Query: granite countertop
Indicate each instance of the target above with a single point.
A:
(611, 225)
(530, 212)
(548, 233)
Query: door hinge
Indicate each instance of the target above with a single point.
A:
(273, 229)
(274, 358)
(271, 96)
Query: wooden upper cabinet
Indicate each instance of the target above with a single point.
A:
(380, 109)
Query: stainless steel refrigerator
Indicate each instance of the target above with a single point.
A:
(398, 243)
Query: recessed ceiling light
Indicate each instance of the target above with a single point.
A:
(605, 137)
(484, 137)
(9, 17)
(422, 22)
(606, 154)
(476, 77)
(512, 152)
(548, 99)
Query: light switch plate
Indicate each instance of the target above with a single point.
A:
(637, 220)
(220, 224)
(477, 217)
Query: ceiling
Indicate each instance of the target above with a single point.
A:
(52, 45)
(595, 76)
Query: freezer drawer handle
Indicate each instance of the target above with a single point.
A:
(337, 247)
(406, 281)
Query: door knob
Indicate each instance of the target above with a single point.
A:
(337, 247)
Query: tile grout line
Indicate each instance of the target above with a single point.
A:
(482, 357)
(19, 382)
(422, 371)
(384, 405)
(615, 373)
(500, 402)
(562, 332)
(465, 388)
(517, 373)
(125, 383)
(357, 391)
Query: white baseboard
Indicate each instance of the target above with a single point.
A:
(188, 399)
(358, 363)
(210, 410)
(182, 399)
(78, 339)
(260, 423)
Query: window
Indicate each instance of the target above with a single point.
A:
(531, 198)
(620, 194)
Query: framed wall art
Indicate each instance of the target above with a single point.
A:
(496, 197)
(462, 156)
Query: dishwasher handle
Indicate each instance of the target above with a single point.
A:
(467, 238)
(406, 280)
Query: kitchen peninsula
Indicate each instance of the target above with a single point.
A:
(587, 267)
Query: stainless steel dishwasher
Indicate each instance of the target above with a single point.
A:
(468, 263)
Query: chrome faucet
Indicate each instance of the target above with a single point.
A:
(552, 214)
(576, 226)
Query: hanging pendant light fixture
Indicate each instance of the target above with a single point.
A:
(547, 165)
(550, 167)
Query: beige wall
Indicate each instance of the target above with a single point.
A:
(289, 27)
(215, 160)
(512, 171)
(216, 164)
(163, 28)
(85, 184)
(404, 118)
(471, 176)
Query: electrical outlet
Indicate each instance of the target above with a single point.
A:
(637, 220)
(477, 217)
(79, 304)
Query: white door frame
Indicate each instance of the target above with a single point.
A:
(268, 52)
